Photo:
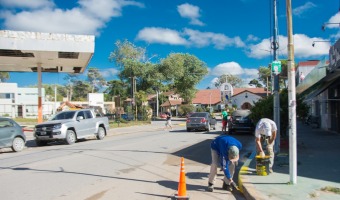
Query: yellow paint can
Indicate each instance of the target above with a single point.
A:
(262, 165)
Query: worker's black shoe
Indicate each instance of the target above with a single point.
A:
(210, 187)
(227, 187)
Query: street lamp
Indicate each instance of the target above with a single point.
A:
(325, 25)
(313, 44)
(210, 102)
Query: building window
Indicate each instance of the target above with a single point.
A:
(6, 95)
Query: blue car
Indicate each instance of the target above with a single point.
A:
(11, 135)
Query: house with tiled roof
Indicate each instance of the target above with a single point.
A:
(173, 101)
(244, 98)
(207, 98)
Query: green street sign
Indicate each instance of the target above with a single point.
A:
(276, 67)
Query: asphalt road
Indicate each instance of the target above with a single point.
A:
(144, 164)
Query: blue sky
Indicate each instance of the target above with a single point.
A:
(230, 36)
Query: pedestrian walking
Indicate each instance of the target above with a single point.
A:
(168, 120)
(224, 153)
(224, 120)
(265, 134)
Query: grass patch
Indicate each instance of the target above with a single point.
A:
(313, 195)
(331, 189)
(26, 120)
(115, 124)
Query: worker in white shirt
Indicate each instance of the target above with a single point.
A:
(265, 134)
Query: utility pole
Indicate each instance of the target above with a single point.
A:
(276, 88)
(291, 97)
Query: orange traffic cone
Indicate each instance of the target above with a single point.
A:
(182, 188)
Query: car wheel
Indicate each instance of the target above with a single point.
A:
(101, 133)
(70, 137)
(188, 130)
(18, 144)
(40, 143)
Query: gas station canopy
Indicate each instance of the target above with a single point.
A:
(23, 51)
(44, 52)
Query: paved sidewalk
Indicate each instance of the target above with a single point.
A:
(318, 167)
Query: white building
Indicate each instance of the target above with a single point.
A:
(245, 98)
(22, 102)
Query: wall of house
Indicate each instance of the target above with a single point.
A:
(29, 95)
(21, 102)
(244, 97)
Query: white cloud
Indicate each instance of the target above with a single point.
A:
(302, 47)
(31, 4)
(218, 40)
(105, 9)
(191, 12)
(233, 68)
(107, 73)
(88, 18)
(251, 72)
(260, 50)
(188, 37)
(333, 22)
(212, 82)
(252, 38)
(54, 21)
(298, 11)
(161, 35)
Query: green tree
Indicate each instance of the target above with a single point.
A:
(255, 83)
(81, 89)
(116, 88)
(95, 78)
(265, 77)
(71, 80)
(4, 76)
(184, 71)
(235, 81)
(264, 109)
(131, 61)
(141, 98)
(185, 109)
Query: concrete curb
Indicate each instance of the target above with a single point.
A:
(245, 185)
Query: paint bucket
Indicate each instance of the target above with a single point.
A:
(262, 165)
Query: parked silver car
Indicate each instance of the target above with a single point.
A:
(200, 121)
(11, 135)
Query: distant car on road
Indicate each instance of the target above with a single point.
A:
(162, 115)
(240, 122)
(199, 121)
(128, 117)
(11, 135)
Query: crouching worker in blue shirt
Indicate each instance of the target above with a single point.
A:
(224, 153)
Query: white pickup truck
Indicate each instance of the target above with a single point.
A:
(69, 126)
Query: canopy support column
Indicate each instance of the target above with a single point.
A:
(40, 117)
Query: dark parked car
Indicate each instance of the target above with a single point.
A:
(200, 121)
(240, 122)
(11, 135)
